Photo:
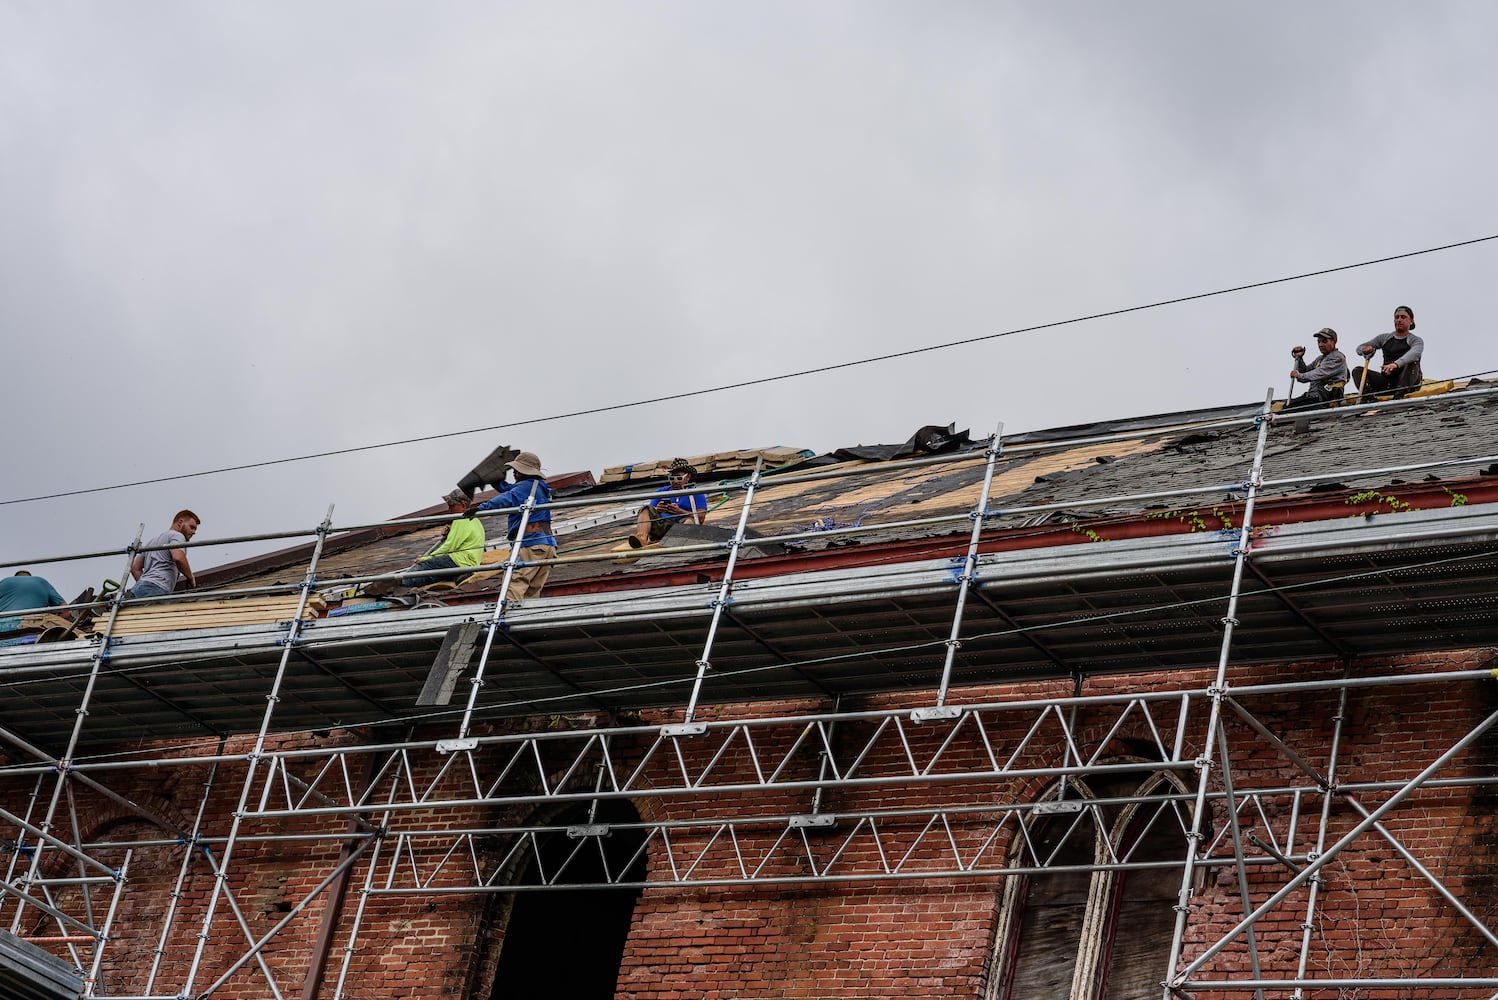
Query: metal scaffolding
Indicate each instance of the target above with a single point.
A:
(986, 705)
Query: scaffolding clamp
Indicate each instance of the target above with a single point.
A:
(811, 821)
(684, 729)
(453, 746)
(936, 714)
(589, 830)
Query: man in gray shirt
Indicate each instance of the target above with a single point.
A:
(1325, 379)
(156, 572)
(1402, 351)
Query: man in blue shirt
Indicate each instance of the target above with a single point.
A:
(661, 515)
(24, 592)
(539, 546)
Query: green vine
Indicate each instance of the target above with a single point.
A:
(1092, 536)
(1395, 504)
(1193, 518)
(1457, 499)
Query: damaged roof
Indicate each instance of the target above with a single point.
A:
(1105, 549)
(878, 498)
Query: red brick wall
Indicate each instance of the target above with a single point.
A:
(931, 937)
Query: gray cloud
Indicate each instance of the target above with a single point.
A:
(242, 231)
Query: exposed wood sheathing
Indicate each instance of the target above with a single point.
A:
(177, 615)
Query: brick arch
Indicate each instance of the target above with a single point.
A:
(494, 923)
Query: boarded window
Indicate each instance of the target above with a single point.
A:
(1049, 932)
(1077, 934)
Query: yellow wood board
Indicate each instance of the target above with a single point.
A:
(177, 616)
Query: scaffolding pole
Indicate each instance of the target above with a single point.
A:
(43, 830)
(254, 756)
(1218, 689)
(704, 662)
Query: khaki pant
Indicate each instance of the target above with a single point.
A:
(526, 581)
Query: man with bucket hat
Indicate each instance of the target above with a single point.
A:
(539, 546)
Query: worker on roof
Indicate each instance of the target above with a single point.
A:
(157, 572)
(24, 592)
(1402, 352)
(461, 545)
(662, 514)
(1324, 380)
(539, 546)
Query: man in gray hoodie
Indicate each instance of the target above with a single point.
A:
(1326, 378)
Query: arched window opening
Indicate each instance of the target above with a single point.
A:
(1073, 929)
(1050, 907)
(588, 924)
(1138, 917)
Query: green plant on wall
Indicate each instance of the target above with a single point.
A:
(1092, 536)
(1394, 504)
(1193, 519)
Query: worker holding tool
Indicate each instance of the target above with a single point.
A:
(157, 572)
(1402, 351)
(659, 516)
(1324, 380)
(539, 545)
(462, 545)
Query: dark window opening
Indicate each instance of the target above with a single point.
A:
(1047, 939)
(1141, 918)
(569, 942)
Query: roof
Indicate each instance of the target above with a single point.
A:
(28, 972)
(1105, 548)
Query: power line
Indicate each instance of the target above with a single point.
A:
(752, 382)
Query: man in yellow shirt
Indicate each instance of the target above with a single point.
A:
(461, 546)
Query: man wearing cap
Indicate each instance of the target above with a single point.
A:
(662, 514)
(539, 546)
(1324, 380)
(1402, 350)
(461, 546)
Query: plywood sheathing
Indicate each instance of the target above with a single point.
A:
(176, 615)
(926, 491)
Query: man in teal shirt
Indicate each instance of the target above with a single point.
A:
(24, 592)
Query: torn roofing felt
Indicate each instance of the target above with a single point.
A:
(929, 440)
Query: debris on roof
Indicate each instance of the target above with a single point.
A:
(851, 497)
(719, 462)
(929, 440)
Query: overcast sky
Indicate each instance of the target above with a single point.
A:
(234, 232)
